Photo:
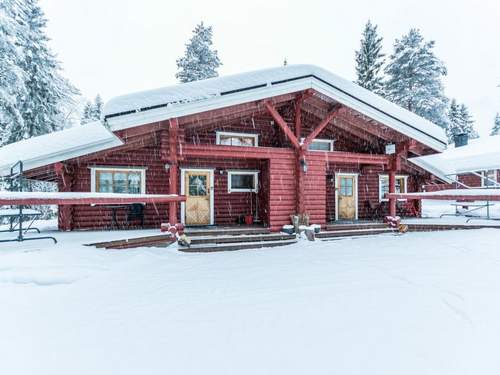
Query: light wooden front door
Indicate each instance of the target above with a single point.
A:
(347, 197)
(198, 197)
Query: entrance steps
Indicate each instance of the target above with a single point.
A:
(226, 242)
(334, 231)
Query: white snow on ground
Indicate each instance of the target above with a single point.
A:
(421, 303)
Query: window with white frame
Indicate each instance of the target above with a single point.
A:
(118, 180)
(237, 139)
(320, 144)
(242, 181)
(489, 178)
(383, 186)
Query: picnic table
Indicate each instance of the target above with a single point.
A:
(20, 214)
(468, 207)
(15, 216)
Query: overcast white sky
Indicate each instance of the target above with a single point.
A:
(114, 47)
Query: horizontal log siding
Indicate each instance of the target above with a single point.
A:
(230, 206)
(95, 217)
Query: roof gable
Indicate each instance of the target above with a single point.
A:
(200, 96)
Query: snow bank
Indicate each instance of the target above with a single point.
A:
(422, 303)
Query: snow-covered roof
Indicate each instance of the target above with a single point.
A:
(54, 147)
(480, 154)
(194, 97)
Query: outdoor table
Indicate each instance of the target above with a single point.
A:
(14, 213)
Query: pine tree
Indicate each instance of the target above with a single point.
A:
(97, 107)
(370, 60)
(199, 60)
(467, 122)
(12, 78)
(48, 93)
(92, 111)
(496, 126)
(86, 114)
(414, 78)
(454, 121)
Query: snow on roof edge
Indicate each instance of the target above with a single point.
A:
(65, 143)
(202, 91)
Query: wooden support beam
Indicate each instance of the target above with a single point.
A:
(320, 127)
(282, 124)
(64, 184)
(81, 198)
(298, 117)
(173, 170)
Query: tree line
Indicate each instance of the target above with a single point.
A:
(36, 99)
(411, 76)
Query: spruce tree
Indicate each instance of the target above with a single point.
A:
(87, 114)
(467, 122)
(92, 111)
(12, 78)
(49, 94)
(414, 78)
(370, 59)
(200, 61)
(454, 121)
(496, 126)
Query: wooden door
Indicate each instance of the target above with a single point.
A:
(198, 197)
(346, 197)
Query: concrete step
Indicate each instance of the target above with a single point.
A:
(240, 238)
(237, 231)
(353, 232)
(341, 227)
(205, 248)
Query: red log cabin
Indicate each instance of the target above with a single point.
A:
(262, 145)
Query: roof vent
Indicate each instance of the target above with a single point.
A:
(461, 139)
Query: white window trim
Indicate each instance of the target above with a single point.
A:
(485, 173)
(232, 134)
(242, 172)
(380, 176)
(124, 169)
(331, 142)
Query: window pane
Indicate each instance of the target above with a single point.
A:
(384, 186)
(197, 185)
(105, 182)
(242, 181)
(225, 140)
(491, 175)
(320, 146)
(134, 182)
(119, 182)
(237, 140)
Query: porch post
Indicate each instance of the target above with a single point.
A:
(392, 189)
(174, 170)
(64, 184)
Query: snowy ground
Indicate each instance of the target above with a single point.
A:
(421, 303)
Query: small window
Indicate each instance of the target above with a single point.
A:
(489, 178)
(237, 139)
(401, 186)
(242, 181)
(320, 145)
(118, 180)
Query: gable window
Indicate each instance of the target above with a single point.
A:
(237, 139)
(489, 178)
(118, 180)
(383, 186)
(320, 144)
(242, 181)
